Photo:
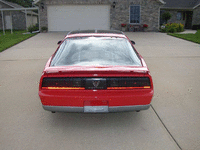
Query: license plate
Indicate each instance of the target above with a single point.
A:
(95, 109)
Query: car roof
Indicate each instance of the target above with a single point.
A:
(78, 33)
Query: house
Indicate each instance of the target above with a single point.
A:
(186, 12)
(66, 15)
(18, 17)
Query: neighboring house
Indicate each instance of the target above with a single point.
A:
(66, 15)
(186, 12)
(18, 17)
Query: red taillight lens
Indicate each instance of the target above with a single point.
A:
(63, 88)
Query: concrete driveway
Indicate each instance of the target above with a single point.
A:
(172, 123)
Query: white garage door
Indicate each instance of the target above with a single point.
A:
(73, 17)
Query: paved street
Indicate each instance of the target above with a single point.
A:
(172, 123)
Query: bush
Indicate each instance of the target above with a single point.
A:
(180, 28)
(44, 29)
(33, 28)
(166, 16)
(172, 28)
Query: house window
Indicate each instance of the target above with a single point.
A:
(179, 16)
(134, 14)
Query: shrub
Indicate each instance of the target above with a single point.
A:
(180, 28)
(33, 28)
(173, 27)
(166, 16)
(171, 30)
(44, 29)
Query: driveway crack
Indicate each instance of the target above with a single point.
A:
(166, 127)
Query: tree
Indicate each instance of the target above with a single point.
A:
(166, 16)
(24, 3)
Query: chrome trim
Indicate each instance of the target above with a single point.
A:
(81, 109)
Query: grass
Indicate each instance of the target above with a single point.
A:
(190, 37)
(9, 39)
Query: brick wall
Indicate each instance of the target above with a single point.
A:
(196, 16)
(120, 14)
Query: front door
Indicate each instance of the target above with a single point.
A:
(188, 23)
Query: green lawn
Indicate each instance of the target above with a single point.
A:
(9, 39)
(190, 37)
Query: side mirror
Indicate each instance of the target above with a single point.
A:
(133, 42)
(59, 42)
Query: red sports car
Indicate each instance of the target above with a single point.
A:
(96, 71)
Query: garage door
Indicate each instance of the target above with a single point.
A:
(83, 17)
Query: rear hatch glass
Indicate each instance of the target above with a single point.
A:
(96, 51)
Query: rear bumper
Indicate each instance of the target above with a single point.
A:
(93, 109)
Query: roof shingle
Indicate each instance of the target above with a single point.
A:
(14, 5)
(185, 4)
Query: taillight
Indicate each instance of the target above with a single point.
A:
(136, 82)
(64, 83)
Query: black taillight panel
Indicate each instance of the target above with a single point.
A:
(96, 83)
(62, 82)
(128, 82)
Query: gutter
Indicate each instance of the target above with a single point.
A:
(14, 9)
(177, 8)
(196, 6)
(162, 2)
(35, 2)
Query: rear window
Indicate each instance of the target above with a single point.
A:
(96, 51)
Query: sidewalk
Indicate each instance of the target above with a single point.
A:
(189, 31)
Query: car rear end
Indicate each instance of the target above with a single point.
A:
(95, 88)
